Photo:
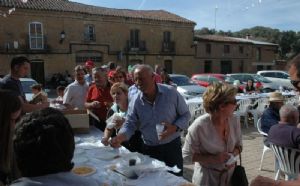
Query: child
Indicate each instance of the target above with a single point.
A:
(39, 95)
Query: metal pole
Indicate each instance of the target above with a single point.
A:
(216, 8)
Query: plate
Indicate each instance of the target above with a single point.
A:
(105, 153)
(84, 170)
(78, 160)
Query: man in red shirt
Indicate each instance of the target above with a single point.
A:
(98, 99)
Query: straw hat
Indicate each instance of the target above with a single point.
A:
(276, 97)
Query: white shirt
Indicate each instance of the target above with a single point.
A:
(75, 94)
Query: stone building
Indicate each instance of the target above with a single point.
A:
(222, 54)
(56, 35)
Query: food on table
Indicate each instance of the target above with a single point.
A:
(83, 170)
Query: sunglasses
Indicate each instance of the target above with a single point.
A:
(295, 83)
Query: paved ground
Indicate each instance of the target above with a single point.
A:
(251, 156)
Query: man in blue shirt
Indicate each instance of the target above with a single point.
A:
(156, 105)
(19, 68)
(271, 116)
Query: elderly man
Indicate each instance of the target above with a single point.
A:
(286, 133)
(156, 107)
(271, 116)
(19, 68)
(98, 98)
(75, 93)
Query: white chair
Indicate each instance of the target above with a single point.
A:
(193, 108)
(261, 105)
(243, 108)
(292, 100)
(266, 148)
(289, 161)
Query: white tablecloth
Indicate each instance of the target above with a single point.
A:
(89, 151)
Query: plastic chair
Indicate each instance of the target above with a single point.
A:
(289, 161)
(261, 105)
(193, 107)
(266, 148)
(243, 108)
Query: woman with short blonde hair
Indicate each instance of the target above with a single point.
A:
(214, 137)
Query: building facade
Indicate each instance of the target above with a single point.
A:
(57, 35)
(231, 55)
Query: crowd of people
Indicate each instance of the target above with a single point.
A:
(139, 110)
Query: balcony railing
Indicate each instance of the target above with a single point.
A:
(136, 46)
(168, 47)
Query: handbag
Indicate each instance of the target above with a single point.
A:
(239, 177)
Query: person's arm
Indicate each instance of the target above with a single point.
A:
(238, 133)
(183, 113)
(67, 98)
(129, 126)
(106, 136)
(27, 107)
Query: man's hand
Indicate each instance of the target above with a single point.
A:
(95, 104)
(116, 141)
(169, 130)
(105, 141)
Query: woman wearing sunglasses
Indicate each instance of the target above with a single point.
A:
(214, 139)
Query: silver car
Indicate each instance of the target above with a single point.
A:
(186, 87)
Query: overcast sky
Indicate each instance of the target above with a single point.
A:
(231, 15)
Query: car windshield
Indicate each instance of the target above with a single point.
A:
(182, 80)
(26, 85)
(261, 79)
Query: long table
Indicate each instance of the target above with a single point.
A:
(90, 152)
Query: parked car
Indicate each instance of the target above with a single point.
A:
(261, 82)
(26, 85)
(207, 79)
(186, 87)
(281, 78)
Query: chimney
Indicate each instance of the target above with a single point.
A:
(248, 36)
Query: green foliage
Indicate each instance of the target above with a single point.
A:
(288, 41)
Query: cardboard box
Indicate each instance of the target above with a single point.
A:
(78, 119)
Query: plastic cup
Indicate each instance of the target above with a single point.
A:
(159, 129)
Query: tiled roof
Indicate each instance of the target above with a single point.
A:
(225, 39)
(69, 6)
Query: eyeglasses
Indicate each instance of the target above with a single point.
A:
(295, 83)
(234, 102)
